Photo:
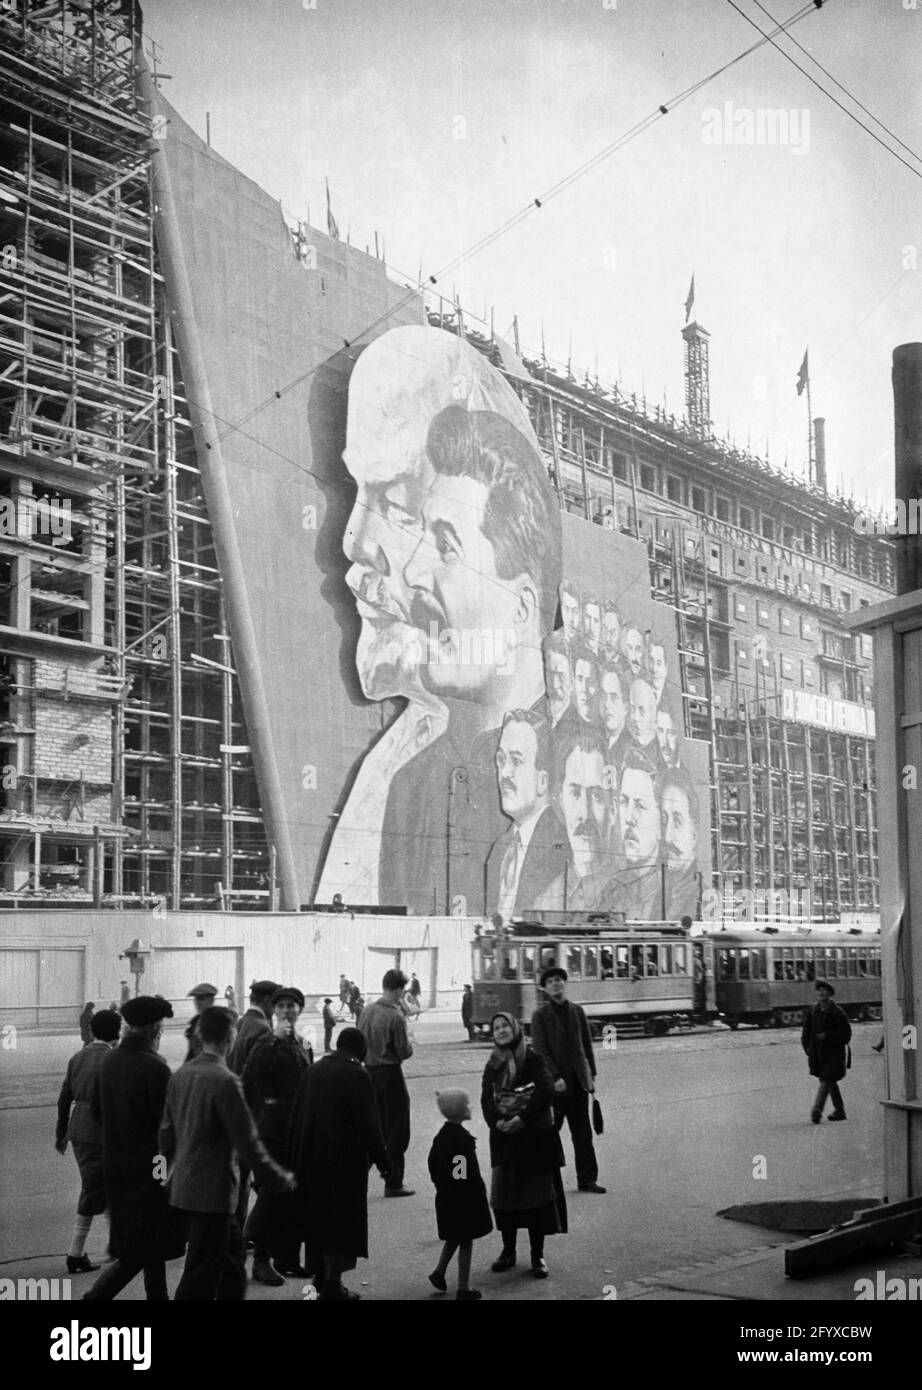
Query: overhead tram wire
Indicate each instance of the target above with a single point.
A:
(851, 96)
(535, 204)
(832, 97)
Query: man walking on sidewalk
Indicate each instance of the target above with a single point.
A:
(384, 1027)
(825, 1036)
(560, 1034)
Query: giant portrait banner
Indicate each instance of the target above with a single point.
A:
(465, 700)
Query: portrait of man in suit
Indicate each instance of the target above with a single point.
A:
(656, 665)
(584, 806)
(680, 808)
(611, 630)
(634, 650)
(571, 611)
(529, 855)
(558, 682)
(668, 733)
(642, 719)
(585, 682)
(638, 885)
(592, 624)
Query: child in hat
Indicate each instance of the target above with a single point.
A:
(461, 1208)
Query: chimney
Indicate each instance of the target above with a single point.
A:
(907, 420)
(819, 450)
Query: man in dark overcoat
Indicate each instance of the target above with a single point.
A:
(253, 1028)
(270, 1079)
(825, 1036)
(128, 1104)
(335, 1137)
(560, 1034)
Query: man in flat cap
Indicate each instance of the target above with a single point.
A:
(560, 1034)
(205, 1123)
(825, 1036)
(383, 1025)
(128, 1104)
(252, 1027)
(270, 1079)
(203, 996)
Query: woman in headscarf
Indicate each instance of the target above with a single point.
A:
(525, 1151)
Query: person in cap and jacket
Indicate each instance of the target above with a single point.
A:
(335, 1137)
(254, 1025)
(127, 1103)
(270, 1079)
(825, 1035)
(203, 997)
(525, 1150)
(205, 1122)
(76, 1123)
(329, 1023)
(560, 1034)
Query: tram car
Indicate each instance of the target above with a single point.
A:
(639, 976)
(769, 979)
(652, 977)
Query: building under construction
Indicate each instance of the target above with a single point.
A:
(127, 772)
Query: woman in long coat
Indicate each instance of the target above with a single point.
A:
(335, 1137)
(825, 1035)
(525, 1150)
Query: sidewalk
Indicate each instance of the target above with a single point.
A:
(759, 1276)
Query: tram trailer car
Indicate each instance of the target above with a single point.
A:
(769, 979)
(642, 978)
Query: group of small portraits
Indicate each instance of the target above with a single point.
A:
(602, 813)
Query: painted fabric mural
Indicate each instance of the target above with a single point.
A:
(538, 763)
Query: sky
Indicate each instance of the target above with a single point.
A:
(436, 121)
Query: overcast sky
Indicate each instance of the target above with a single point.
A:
(817, 241)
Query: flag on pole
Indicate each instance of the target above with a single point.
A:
(690, 298)
(332, 227)
(803, 376)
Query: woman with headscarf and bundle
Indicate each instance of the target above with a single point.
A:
(525, 1150)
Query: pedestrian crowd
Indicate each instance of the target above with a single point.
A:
(176, 1158)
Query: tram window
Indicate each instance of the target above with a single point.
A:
(528, 962)
(840, 961)
(810, 963)
(623, 965)
(489, 962)
(636, 962)
(726, 965)
(608, 963)
(852, 962)
(743, 967)
(665, 960)
(877, 962)
(800, 966)
(510, 963)
(680, 959)
(757, 961)
(575, 962)
(777, 966)
(862, 962)
(789, 966)
(548, 957)
(652, 965)
(591, 962)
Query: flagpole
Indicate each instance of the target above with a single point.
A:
(809, 429)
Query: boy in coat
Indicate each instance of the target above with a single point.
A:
(560, 1034)
(461, 1207)
(826, 1034)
